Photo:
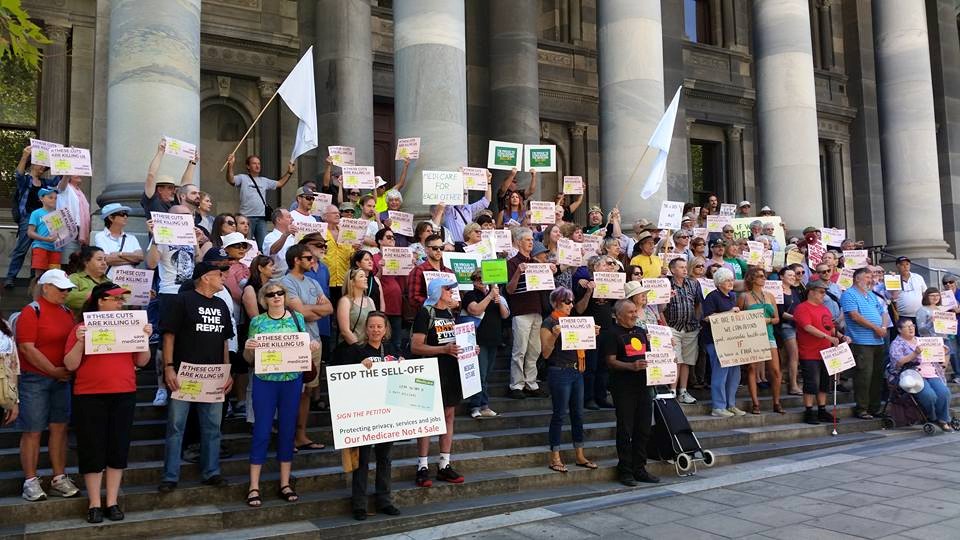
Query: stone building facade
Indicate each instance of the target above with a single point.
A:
(842, 113)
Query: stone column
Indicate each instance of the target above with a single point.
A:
(789, 158)
(430, 78)
(716, 23)
(53, 93)
(735, 187)
(826, 34)
(576, 34)
(729, 25)
(344, 73)
(631, 101)
(911, 182)
(514, 78)
(578, 165)
(838, 204)
(269, 126)
(153, 90)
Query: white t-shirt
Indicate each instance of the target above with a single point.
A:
(224, 295)
(126, 243)
(250, 202)
(280, 258)
(372, 228)
(175, 267)
(910, 298)
(299, 217)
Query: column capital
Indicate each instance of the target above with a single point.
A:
(267, 87)
(58, 34)
(734, 132)
(833, 147)
(577, 130)
(824, 4)
(689, 125)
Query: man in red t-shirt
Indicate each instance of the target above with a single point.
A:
(42, 331)
(815, 332)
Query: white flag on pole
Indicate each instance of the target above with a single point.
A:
(298, 93)
(660, 140)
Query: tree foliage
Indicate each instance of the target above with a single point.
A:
(20, 38)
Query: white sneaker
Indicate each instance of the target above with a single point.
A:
(686, 398)
(160, 400)
(736, 411)
(63, 487)
(475, 413)
(721, 413)
(487, 413)
(32, 491)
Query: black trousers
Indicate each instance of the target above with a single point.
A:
(102, 423)
(634, 407)
(360, 475)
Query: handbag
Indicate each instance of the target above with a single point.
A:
(342, 347)
(267, 209)
(9, 370)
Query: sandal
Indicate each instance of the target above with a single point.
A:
(311, 446)
(755, 408)
(254, 501)
(945, 427)
(587, 464)
(778, 408)
(864, 416)
(288, 494)
(558, 467)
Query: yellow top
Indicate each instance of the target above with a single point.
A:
(651, 265)
(338, 260)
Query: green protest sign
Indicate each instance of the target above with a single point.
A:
(541, 157)
(504, 155)
(494, 271)
(463, 265)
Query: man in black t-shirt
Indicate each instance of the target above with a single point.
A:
(195, 330)
(624, 347)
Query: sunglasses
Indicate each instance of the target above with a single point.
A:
(435, 248)
(275, 294)
(319, 246)
(823, 271)
(64, 290)
(306, 257)
(242, 247)
(121, 214)
(311, 199)
(947, 282)
(567, 302)
(698, 266)
(389, 237)
(231, 222)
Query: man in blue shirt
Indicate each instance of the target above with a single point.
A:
(26, 200)
(866, 322)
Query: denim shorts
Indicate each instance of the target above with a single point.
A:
(43, 401)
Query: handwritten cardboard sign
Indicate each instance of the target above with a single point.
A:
(740, 338)
(443, 187)
(671, 213)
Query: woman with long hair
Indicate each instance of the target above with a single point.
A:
(363, 260)
(261, 272)
(512, 210)
(353, 307)
(420, 233)
(89, 266)
(754, 297)
(223, 225)
(393, 287)
(204, 206)
(787, 329)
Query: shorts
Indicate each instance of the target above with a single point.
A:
(42, 259)
(685, 344)
(43, 401)
(787, 331)
(450, 382)
(316, 357)
(773, 344)
(815, 377)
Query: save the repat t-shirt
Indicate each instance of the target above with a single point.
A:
(200, 326)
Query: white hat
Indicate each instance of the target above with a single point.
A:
(744, 203)
(911, 381)
(232, 238)
(113, 208)
(57, 278)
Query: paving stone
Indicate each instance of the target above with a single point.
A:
(499, 534)
(878, 489)
(864, 467)
(934, 531)
(603, 523)
(725, 525)
(805, 531)
(855, 525)
(843, 497)
(556, 530)
(839, 475)
(675, 531)
(910, 516)
(802, 481)
(808, 506)
(927, 504)
(945, 494)
(647, 514)
(729, 496)
(768, 514)
(691, 506)
(909, 480)
(897, 462)
(767, 489)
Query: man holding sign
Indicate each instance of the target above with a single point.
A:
(816, 331)
(527, 318)
(195, 330)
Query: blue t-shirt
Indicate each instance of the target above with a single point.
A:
(36, 219)
(869, 307)
(322, 276)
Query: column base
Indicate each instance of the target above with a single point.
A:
(929, 248)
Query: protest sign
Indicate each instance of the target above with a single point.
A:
(446, 277)
(665, 259)
(494, 271)
(838, 359)
(282, 353)
(755, 256)
(115, 332)
(358, 177)
(579, 333)
(728, 209)
(701, 232)
(715, 223)
(502, 241)
(342, 155)
(846, 278)
(474, 178)
(944, 322)
(352, 231)
(40, 151)
(740, 337)
(504, 156)
(659, 290)
(706, 286)
(947, 299)
(137, 281)
(833, 237)
(251, 253)
(661, 338)
(542, 212)
(661, 368)
(201, 383)
(483, 248)
(892, 282)
(775, 288)
(173, 229)
(573, 185)
(592, 244)
(815, 253)
(794, 256)
(569, 253)
(70, 161)
(468, 358)
(443, 187)
(320, 203)
(609, 285)
(769, 262)
(670, 215)
(397, 261)
(855, 258)
(60, 225)
(180, 149)
(408, 148)
(463, 265)
(542, 157)
(741, 228)
(390, 401)
(401, 222)
(539, 277)
(931, 349)
(308, 227)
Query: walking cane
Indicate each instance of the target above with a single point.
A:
(835, 377)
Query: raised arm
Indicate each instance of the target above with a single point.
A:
(576, 204)
(282, 181)
(532, 188)
(187, 177)
(228, 176)
(22, 164)
(150, 186)
(402, 181)
(508, 183)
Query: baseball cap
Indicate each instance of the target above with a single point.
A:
(57, 278)
(538, 248)
(948, 278)
(305, 191)
(232, 239)
(113, 208)
(435, 288)
(46, 191)
(214, 255)
(744, 203)
(108, 288)
(718, 242)
(901, 259)
(348, 207)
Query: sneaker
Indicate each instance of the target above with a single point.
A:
(160, 400)
(826, 417)
(535, 392)
(475, 413)
(166, 486)
(628, 481)
(810, 417)
(686, 398)
(423, 477)
(63, 487)
(487, 413)
(191, 454)
(721, 413)
(643, 475)
(216, 481)
(736, 411)
(32, 491)
(516, 394)
(447, 474)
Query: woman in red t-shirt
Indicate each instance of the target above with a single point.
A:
(104, 399)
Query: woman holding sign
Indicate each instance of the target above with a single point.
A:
(930, 302)
(104, 400)
(723, 380)
(755, 297)
(274, 394)
(566, 381)
(906, 353)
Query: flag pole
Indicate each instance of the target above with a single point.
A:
(254, 123)
(632, 175)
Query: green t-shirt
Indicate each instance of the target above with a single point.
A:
(263, 324)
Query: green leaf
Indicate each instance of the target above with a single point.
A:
(20, 38)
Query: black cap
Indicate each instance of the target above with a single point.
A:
(902, 259)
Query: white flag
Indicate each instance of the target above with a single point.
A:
(298, 93)
(660, 140)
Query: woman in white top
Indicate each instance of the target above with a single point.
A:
(122, 250)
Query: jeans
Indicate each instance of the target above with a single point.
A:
(954, 356)
(362, 472)
(270, 397)
(566, 392)
(935, 399)
(396, 332)
(723, 381)
(488, 353)
(258, 228)
(210, 415)
(868, 377)
(43, 401)
(596, 377)
(19, 252)
(526, 350)
(634, 416)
